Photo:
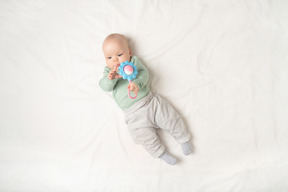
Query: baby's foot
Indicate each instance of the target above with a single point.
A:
(168, 158)
(187, 148)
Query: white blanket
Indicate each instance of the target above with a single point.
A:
(222, 64)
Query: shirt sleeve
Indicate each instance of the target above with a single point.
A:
(105, 83)
(143, 76)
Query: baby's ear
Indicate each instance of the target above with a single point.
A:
(130, 52)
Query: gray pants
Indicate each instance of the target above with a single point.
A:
(151, 113)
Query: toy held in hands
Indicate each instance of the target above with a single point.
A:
(128, 71)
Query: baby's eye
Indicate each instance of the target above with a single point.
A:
(109, 57)
(120, 55)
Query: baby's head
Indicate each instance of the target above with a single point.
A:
(116, 50)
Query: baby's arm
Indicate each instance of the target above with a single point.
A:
(142, 77)
(106, 83)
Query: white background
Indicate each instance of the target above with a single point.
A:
(222, 64)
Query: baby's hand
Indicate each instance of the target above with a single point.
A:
(113, 73)
(133, 87)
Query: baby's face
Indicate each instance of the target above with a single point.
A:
(116, 52)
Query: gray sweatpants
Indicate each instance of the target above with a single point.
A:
(151, 113)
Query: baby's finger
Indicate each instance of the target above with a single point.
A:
(136, 90)
(115, 67)
(110, 76)
(117, 76)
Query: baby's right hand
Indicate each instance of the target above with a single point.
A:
(113, 73)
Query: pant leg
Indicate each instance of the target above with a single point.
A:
(143, 132)
(169, 120)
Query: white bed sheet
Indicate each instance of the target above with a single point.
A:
(222, 64)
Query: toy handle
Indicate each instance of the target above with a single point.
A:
(129, 92)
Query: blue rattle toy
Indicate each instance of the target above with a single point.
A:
(128, 71)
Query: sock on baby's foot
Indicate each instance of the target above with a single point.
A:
(168, 158)
(187, 148)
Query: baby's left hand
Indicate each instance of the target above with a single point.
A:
(133, 87)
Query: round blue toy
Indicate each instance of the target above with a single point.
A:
(128, 71)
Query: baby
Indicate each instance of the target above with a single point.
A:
(148, 111)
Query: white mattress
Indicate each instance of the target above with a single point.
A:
(222, 64)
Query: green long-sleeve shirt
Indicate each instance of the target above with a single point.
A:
(119, 86)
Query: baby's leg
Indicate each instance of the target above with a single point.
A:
(169, 120)
(168, 158)
(187, 148)
(149, 139)
(151, 142)
(141, 126)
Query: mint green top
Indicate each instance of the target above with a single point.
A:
(120, 86)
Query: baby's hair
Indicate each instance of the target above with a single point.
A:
(117, 36)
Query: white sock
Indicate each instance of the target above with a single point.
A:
(168, 158)
(187, 148)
